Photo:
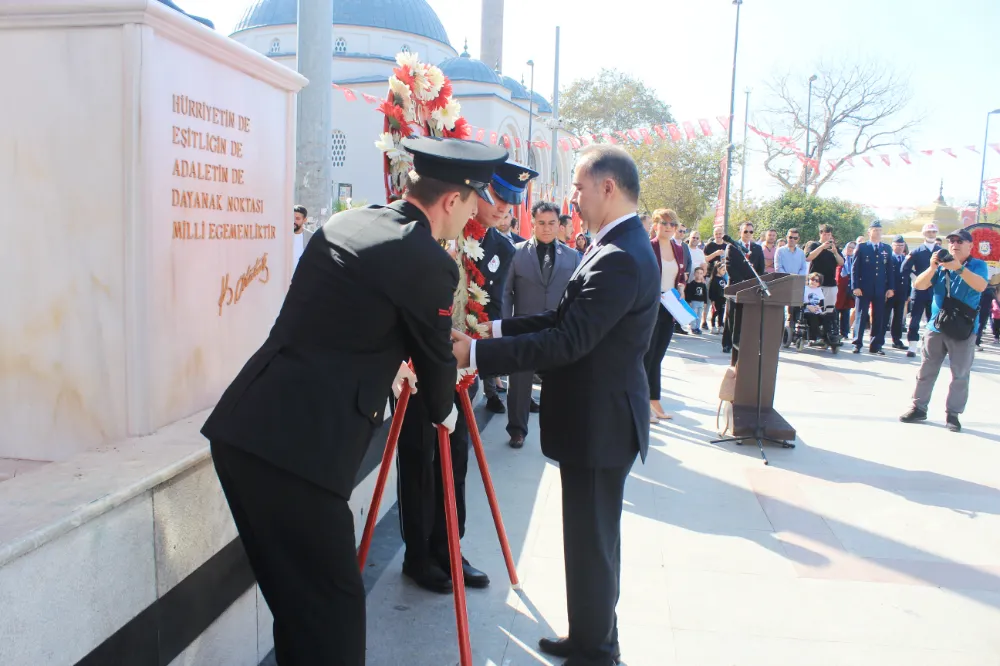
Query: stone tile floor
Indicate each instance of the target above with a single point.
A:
(873, 543)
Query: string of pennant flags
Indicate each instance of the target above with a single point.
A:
(689, 130)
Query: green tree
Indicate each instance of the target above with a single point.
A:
(806, 212)
(611, 101)
(739, 212)
(683, 176)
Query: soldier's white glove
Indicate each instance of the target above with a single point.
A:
(449, 422)
(404, 373)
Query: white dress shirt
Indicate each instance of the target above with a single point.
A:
(495, 327)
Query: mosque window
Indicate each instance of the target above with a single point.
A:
(276, 46)
(405, 48)
(338, 148)
(340, 46)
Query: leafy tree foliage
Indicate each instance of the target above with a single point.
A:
(611, 101)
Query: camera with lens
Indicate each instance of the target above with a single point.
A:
(944, 256)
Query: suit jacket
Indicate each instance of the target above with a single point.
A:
(497, 255)
(916, 262)
(873, 271)
(900, 279)
(310, 398)
(682, 275)
(687, 257)
(737, 267)
(595, 396)
(526, 292)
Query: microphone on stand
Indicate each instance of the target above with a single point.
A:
(763, 285)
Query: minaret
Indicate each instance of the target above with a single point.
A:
(491, 43)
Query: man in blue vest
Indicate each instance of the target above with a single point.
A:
(918, 261)
(873, 281)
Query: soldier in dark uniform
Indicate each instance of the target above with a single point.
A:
(896, 306)
(509, 185)
(918, 261)
(373, 288)
(873, 278)
(421, 500)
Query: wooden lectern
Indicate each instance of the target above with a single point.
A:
(786, 290)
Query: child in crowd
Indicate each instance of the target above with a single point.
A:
(716, 293)
(696, 295)
(813, 303)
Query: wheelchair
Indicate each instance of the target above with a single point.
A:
(797, 334)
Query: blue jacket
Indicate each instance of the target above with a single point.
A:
(918, 261)
(873, 271)
(498, 253)
(901, 279)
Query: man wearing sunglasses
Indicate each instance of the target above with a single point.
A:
(739, 258)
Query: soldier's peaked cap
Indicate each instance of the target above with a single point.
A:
(457, 161)
(510, 182)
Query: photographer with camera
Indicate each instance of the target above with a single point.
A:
(956, 280)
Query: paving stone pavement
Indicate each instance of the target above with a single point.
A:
(873, 543)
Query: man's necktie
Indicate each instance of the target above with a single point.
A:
(547, 267)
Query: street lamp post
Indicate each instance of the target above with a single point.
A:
(531, 114)
(732, 117)
(809, 102)
(982, 171)
(743, 167)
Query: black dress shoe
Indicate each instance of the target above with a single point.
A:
(563, 648)
(879, 352)
(898, 345)
(857, 350)
(953, 423)
(495, 405)
(534, 407)
(473, 577)
(428, 575)
(517, 441)
(914, 415)
(911, 354)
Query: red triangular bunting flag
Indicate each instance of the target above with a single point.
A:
(663, 135)
(584, 139)
(995, 146)
(564, 145)
(885, 158)
(608, 138)
(724, 121)
(349, 94)
(973, 149)
(949, 151)
(905, 157)
(868, 161)
(849, 160)
(675, 133)
(927, 152)
(623, 135)
(574, 142)
(371, 99)
(506, 141)
(706, 129)
(632, 134)
(644, 133)
(831, 164)
(689, 129)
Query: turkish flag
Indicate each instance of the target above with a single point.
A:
(480, 133)
(660, 132)
(349, 94)
(689, 129)
(905, 157)
(724, 121)
(644, 133)
(675, 133)
(577, 225)
(371, 99)
(493, 138)
(706, 129)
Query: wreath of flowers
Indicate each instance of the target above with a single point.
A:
(991, 238)
(420, 101)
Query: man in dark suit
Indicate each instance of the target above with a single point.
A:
(873, 280)
(538, 276)
(895, 308)
(737, 257)
(918, 261)
(509, 187)
(290, 432)
(595, 397)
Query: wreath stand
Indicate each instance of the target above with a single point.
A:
(451, 513)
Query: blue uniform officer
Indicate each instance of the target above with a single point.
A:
(873, 279)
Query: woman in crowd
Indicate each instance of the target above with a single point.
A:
(582, 242)
(670, 257)
(845, 298)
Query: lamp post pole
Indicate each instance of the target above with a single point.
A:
(805, 179)
(732, 115)
(314, 122)
(982, 171)
(743, 166)
(531, 115)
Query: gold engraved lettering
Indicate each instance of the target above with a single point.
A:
(201, 171)
(185, 106)
(186, 137)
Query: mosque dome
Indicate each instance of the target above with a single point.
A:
(467, 68)
(410, 16)
(541, 104)
(517, 91)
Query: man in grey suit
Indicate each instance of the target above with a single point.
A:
(538, 276)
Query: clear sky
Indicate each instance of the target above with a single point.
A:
(684, 49)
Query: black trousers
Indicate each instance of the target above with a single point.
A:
(421, 495)
(920, 307)
(592, 514)
(718, 311)
(845, 322)
(896, 315)
(877, 321)
(299, 539)
(519, 403)
(731, 334)
(663, 333)
(985, 311)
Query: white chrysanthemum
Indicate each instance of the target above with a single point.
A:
(387, 144)
(448, 115)
(401, 90)
(482, 328)
(472, 249)
(472, 321)
(435, 77)
(411, 60)
(422, 85)
(478, 294)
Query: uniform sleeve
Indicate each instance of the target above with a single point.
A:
(426, 314)
(854, 270)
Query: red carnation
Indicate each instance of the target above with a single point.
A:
(462, 130)
(474, 307)
(441, 100)
(397, 119)
(404, 75)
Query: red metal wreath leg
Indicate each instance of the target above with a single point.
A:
(491, 495)
(454, 548)
(383, 473)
